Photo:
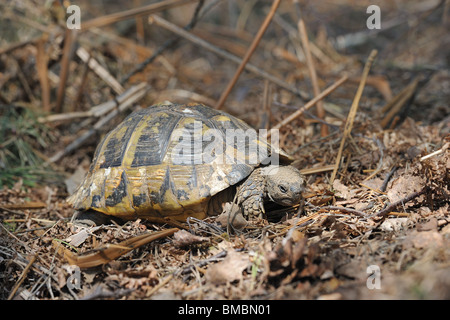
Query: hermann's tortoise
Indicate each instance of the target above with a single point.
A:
(175, 161)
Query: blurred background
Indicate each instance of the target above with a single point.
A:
(62, 89)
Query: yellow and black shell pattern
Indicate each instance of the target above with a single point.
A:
(146, 167)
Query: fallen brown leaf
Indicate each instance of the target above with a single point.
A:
(229, 270)
(405, 185)
(424, 239)
(184, 238)
(109, 252)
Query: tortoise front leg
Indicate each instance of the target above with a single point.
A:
(251, 196)
(91, 218)
(253, 207)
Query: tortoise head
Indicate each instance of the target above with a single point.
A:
(285, 185)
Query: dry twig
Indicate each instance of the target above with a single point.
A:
(69, 43)
(394, 106)
(352, 113)
(248, 54)
(311, 103)
(384, 212)
(168, 43)
(312, 72)
(100, 71)
(165, 281)
(133, 13)
(22, 277)
(119, 105)
(42, 71)
(435, 153)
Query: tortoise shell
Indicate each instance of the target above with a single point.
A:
(146, 167)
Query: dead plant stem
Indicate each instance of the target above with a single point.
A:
(22, 277)
(69, 43)
(312, 73)
(311, 103)
(352, 113)
(248, 54)
(384, 212)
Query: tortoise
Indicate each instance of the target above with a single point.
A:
(151, 166)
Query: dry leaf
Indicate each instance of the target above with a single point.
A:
(342, 190)
(404, 186)
(231, 214)
(75, 179)
(184, 238)
(430, 225)
(229, 270)
(424, 239)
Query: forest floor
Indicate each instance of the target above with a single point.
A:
(374, 226)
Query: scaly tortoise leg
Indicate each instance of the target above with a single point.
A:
(251, 196)
(91, 218)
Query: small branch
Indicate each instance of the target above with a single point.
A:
(398, 102)
(22, 277)
(388, 177)
(312, 72)
(99, 70)
(98, 110)
(69, 43)
(138, 92)
(133, 13)
(19, 45)
(267, 110)
(202, 263)
(435, 153)
(165, 281)
(248, 54)
(42, 71)
(293, 35)
(384, 212)
(24, 80)
(108, 252)
(311, 103)
(337, 208)
(321, 169)
(301, 222)
(348, 210)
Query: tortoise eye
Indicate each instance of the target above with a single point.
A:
(282, 188)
